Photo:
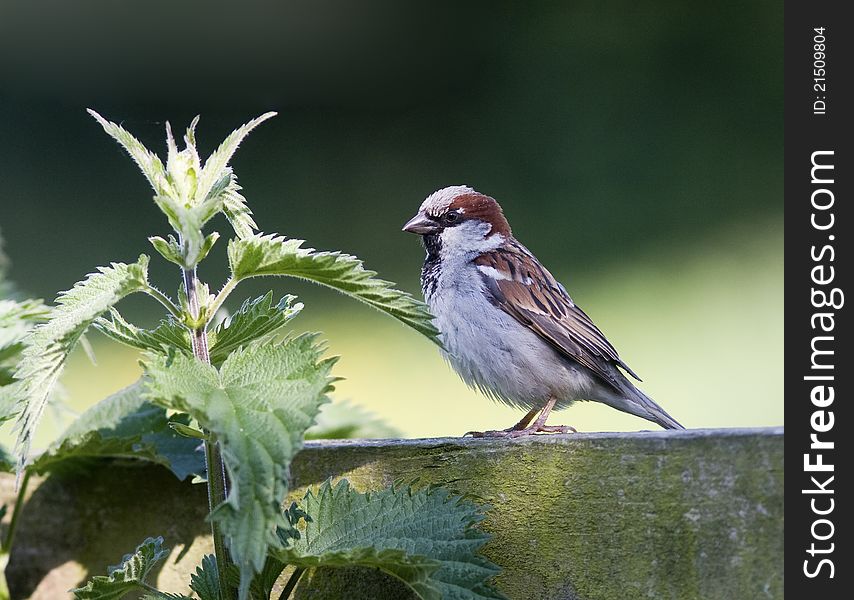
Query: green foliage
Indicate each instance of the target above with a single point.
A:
(126, 577)
(17, 319)
(235, 209)
(257, 406)
(256, 320)
(125, 425)
(50, 343)
(261, 255)
(205, 581)
(426, 538)
(239, 389)
(188, 193)
(216, 177)
(167, 335)
(342, 420)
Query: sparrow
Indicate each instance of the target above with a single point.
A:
(507, 326)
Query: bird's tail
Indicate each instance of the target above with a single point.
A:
(654, 412)
(635, 402)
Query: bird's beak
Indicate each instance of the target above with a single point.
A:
(421, 224)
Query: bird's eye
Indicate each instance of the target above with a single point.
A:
(451, 217)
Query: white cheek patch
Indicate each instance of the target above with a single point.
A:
(469, 238)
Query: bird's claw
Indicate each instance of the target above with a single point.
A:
(516, 433)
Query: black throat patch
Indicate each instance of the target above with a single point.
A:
(432, 264)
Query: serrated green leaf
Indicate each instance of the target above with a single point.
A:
(148, 162)
(255, 320)
(216, 164)
(190, 194)
(187, 221)
(126, 577)
(167, 248)
(257, 406)
(187, 431)
(168, 334)
(9, 396)
(124, 425)
(50, 343)
(426, 538)
(183, 168)
(17, 319)
(205, 581)
(235, 208)
(261, 255)
(208, 243)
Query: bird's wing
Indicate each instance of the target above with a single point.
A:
(520, 286)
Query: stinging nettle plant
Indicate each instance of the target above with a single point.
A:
(244, 388)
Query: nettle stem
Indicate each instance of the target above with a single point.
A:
(217, 480)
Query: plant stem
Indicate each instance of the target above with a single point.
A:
(217, 486)
(292, 583)
(16, 513)
(165, 301)
(220, 298)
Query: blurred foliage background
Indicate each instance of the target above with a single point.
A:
(636, 149)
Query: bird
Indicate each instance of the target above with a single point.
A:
(507, 326)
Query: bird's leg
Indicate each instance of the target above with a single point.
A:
(521, 428)
(540, 426)
(524, 421)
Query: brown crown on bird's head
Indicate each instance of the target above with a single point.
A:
(456, 204)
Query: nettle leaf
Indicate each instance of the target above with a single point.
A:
(258, 406)
(126, 577)
(169, 248)
(342, 420)
(205, 581)
(168, 334)
(50, 343)
(235, 208)
(426, 538)
(261, 255)
(148, 162)
(216, 164)
(126, 425)
(255, 320)
(188, 193)
(187, 221)
(17, 319)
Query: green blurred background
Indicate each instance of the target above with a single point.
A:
(636, 149)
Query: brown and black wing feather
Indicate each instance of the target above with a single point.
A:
(528, 292)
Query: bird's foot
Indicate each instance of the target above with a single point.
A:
(556, 429)
(516, 433)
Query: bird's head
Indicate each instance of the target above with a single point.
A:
(461, 218)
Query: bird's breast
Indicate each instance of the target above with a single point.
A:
(487, 347)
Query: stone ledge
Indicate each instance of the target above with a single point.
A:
(681, 515)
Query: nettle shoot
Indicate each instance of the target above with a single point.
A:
(246, 388)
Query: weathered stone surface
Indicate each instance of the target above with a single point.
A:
(677, 515)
